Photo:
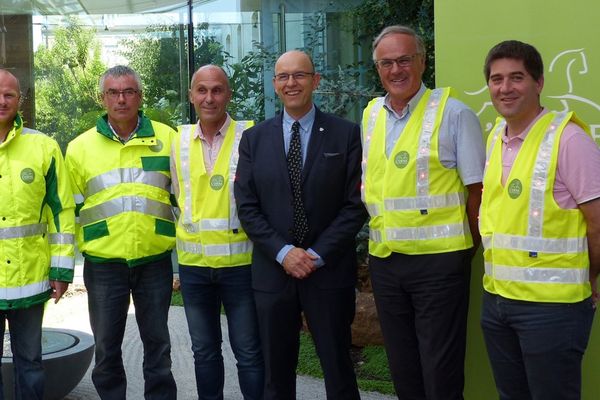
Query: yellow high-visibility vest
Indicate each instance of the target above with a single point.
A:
(533, 249)
(208, 229)
(122, 193)
(36, 218)
(417, 206)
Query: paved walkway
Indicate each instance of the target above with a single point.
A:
(71, 313)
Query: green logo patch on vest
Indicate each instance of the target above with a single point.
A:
(217, 182)
(401, 159)
(27, 175)
(515, 188)
(157, 147)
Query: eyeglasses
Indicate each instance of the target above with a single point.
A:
(127, 93)
(298, 76)
(403, 62)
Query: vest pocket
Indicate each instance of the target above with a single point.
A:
(165, 228)
(157, 163)
(95, 231)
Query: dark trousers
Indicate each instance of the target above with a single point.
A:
(25, 327)
(536, 348)
(204, 289)
(329, 314)
(422, 303)
(109, 287)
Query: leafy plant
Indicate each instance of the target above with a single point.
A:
(66, 80)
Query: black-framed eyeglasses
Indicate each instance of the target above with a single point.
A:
(298, 76)
(403, 62)
(127, 93)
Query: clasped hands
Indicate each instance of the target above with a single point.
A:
(299, 263)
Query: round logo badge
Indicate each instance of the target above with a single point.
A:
(515, 188)
(157, 147)
(401, 159)
(27, 175)
(217, 182)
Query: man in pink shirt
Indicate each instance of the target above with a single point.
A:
(540, 227)
(213, 250)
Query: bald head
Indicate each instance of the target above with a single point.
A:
(10, 96)
(296, 56)
(210, 94)
(295, 81)
(213, 71)
(7, 76)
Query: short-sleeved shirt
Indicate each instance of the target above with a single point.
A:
(460, 143)
(578, 170)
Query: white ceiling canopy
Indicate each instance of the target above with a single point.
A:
(67, 7)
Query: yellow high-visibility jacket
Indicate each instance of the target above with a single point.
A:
(122, 193)
(208, 229)
(534, 250)
(417, 206)
(36, 218)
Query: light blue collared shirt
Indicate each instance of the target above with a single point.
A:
(306, 124)
(460, 143)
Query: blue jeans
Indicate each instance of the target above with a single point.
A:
(25, 327)
(109, 287)
(536, 348)
(203, 290)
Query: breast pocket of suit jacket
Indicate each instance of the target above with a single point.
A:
(330, 170)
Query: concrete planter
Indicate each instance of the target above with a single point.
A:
(66, 355)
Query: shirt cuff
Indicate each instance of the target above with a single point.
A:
(319, 261)
(283, 252)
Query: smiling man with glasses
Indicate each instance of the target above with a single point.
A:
(298, 200)
(121, 183)
(423, 161)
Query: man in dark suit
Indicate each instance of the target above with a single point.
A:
(298, 195)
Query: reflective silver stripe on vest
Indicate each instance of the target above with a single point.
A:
(126, 204)
(538, 274)
(425, 232)
(184, 157)
(486, 241)
(375, 235)
(21, 292)
(497, 132)
(539, 180)
(234, 222)
(65, 262)
(188, 223)
(78, 198)
(537, 244)
(15, 232)
(207, 224)
(419, 203)
(373, 209)
(380, 101)
(61, 238)
(424, 150)
(215, 250)
(126, 175)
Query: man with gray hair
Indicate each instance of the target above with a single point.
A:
(121, 184)
(422, 153)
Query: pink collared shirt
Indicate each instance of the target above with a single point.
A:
(578, 170)
(210, 151)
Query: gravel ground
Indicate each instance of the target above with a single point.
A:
(71, 313)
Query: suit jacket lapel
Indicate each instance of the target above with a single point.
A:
(278, 153)
(315, 143)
